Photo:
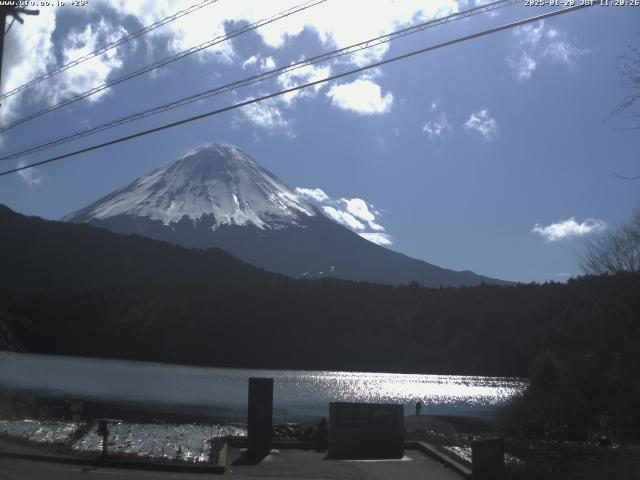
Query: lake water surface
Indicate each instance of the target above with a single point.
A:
(298, 395)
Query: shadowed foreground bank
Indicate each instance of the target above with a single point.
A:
(525, 459)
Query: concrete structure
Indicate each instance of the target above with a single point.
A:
(30, 462)
(366, 430)
(487, 459)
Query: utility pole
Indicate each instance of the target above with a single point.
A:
(3, 25)
(13, 11)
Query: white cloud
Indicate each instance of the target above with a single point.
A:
(268, 116)
(315, 194)
(362, 96)
(537, 43)
(29, 49)
(379, 238)
(30, 176)
(530, 34)
(187, 31)
(264, 63)
(569, 228)
(353, 213)
(332, 22)
(362, 211)
(359, 208)
(29, 52)
(483, 123)
(92, 72)
(344, 218)
(252, 60)
(268, 64)
(440, 128)
(300, 76)
(565, 52)
(524, 66)
(376, 227)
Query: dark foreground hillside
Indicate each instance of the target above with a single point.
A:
(41, 254)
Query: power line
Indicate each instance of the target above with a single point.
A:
(164, 62)
(262, 77)
(299, 87)
(108, 47)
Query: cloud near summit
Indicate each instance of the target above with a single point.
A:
(353, 213)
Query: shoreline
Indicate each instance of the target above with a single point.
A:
(146, 412)
(260, 369)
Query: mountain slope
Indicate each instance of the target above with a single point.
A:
(218, 196)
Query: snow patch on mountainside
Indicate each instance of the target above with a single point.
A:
(218, 180)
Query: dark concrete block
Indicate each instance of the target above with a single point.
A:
(260, 414)
(366, 430)
(487, 459)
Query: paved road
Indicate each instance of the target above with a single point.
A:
(308, 465)
(12, 469)
(281, 464)
(287, 464)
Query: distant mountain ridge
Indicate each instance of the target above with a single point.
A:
(218, 196)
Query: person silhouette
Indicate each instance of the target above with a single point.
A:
(322, 435)
(418, 407)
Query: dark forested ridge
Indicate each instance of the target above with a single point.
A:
(41, 254)
(330, 325)
(310, 326)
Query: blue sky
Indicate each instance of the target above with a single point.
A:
(495, 155)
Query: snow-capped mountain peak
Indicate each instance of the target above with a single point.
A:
(220, 197)
(218, 180)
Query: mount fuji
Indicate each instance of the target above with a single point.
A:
(218, 196)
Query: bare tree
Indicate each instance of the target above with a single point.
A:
(629, 70)
(614, 252)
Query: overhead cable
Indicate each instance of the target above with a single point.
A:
(162, 63)
(276, 72)
(298, 87)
